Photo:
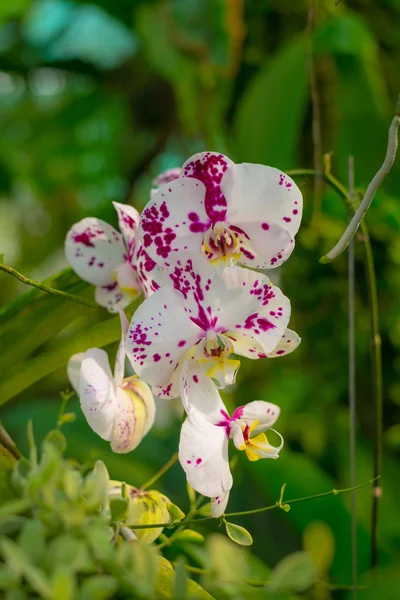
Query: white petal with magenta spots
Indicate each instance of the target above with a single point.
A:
(94, 249)
(219, 504)
(129, 423)
(265, 413)
(159, 335)
(174, 220)
(252, 306)
(113, 298)
(262, 194)
(203, 454)
(289, 342)
(128, 220)
(97, 392)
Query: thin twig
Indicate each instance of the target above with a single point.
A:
(161, 472)
(352, 392)
(376, 346)
(369, 194)
(47, 288)
(254, 511)
(316, 115)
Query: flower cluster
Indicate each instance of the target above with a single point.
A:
(192, 253)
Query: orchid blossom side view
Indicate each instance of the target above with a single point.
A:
(199, 258)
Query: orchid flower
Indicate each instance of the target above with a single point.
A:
(207, 317)
(205, 435)
(120, 410)
(116, 263)
(245, 213)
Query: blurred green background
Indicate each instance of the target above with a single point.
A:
(96, 98)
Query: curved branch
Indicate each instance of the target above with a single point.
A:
(369, 194)
(47, 288)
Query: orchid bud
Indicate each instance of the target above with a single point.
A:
(146, 508)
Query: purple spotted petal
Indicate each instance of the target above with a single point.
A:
(209, 167)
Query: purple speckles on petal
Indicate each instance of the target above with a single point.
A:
(156, 357)
(198, 461)
(195, 379)
(209, 169)
(265, 226)
(181, 343)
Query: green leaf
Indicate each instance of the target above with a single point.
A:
(166, 580)
(188, 535)
(63, 584)
(238, 534)
(23, 376)
(19, 562)
(95, 487)
(175, 512)
(319, 542)
(70, 551)
(99, 587)
(226, 561)
(119, 508)
(181, 580)
(295, 573)
(58, 440)
(15, 507)
(32, 540)
(8, 578)
(272, 109)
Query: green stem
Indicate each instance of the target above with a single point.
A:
(255, 510)
(47, 288)
(161, 472)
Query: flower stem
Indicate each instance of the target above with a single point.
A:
(255, 510)
(47, 288)
(352, 392)
(371, 189)
(161, 472)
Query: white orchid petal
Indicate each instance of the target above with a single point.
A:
(150, 275)
(262, 194)
(203, 454)
(141, 391)
(94, 249)
(159, 335)
(119, 369)
(263, 247)
(113, 298)
(219, 504)
(174, 220)
(209, 168)
(251, 305)
(128, 220)
(237, 436)
(166, 177)
(265, 413)
(129, 423)
(288, 343)
(74, 370)
(97, 392)
(199, 393)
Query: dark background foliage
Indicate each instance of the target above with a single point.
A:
(96, 98)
